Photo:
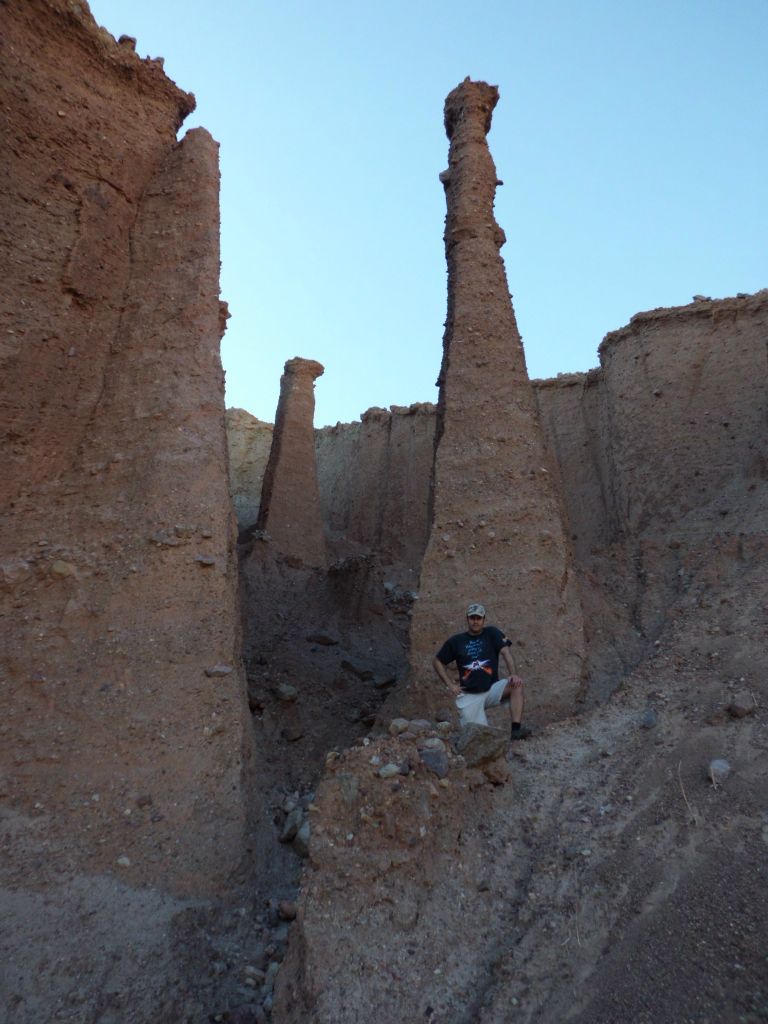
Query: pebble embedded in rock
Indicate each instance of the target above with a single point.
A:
(286, 909)
(389, 771)
(324, 639)
(218, 670)
(649, 719)
(718, 771)
(272, 970)
(286, 693)
(301, 841)
(291, 825)
(62, 569)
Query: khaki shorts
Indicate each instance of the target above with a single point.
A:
(471, 706)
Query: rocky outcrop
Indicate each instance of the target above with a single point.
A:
(248, 443)
(290, 500)
(124, 734)
(497, 532)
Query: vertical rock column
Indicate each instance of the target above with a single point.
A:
(290, 498)
(120, 652)
(497, 532)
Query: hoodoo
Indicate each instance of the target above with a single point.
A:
(290, 497)
(497, 526)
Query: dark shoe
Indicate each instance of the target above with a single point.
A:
(521, 734)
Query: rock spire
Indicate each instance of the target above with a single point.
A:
(497, 533)
(290, 498)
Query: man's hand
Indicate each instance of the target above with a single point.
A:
(516, 682)
(440, 670)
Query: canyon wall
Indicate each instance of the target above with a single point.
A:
(672, 423)
(125, 734)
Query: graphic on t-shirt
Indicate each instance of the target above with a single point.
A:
(475, 666)
(472, 649)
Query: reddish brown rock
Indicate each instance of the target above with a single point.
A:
(290, 499)
(497, 525)
(114, 486)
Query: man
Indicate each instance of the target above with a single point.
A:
(476, 653)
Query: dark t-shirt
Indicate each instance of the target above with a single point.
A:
(476, 657)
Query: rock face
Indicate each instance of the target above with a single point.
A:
(497, 533)
(290, 499)
(248, 442)
(695, 381)
(374, 481)
(672, 420)
(116, 553)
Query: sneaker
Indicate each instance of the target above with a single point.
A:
(521, 734)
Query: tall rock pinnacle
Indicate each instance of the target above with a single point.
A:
(497, 533)
(290, 497)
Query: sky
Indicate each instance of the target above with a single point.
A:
(631, 136)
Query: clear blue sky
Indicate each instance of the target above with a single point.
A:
(632, 138)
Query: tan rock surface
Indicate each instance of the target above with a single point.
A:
(497, 531)
(248, 443)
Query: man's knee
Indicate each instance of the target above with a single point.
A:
(514, 685)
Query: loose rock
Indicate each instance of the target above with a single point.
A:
(741, 706)
(480, 744)
(435, 761)
(649, 719)
(397, 726)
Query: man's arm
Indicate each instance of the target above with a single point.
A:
(439, 667)
(509, 661)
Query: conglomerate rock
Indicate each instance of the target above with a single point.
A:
(497, 533)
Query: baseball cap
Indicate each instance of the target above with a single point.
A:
(476, 609)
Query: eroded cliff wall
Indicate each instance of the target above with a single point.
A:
(124, 731)
(374, 481)
(248, 441)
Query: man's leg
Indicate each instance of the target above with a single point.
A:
(514, 691)
(471, 709)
